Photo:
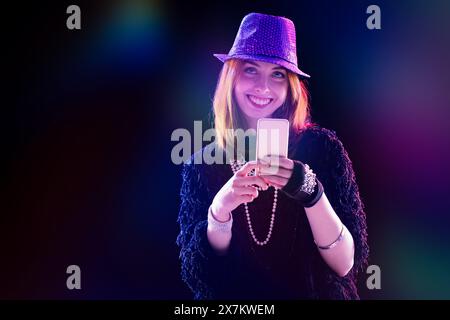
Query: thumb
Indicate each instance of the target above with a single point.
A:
(249, 166)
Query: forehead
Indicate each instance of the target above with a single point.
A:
(262, 64)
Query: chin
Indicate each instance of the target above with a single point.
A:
(260, 113)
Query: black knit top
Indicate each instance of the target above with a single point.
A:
(289, 266)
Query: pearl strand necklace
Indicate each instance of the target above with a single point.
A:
(235, 166)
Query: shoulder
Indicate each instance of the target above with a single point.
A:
(202, 170)
(199, 161)
(193, 169)
(321, 142)
(197, 158)
(320, 135)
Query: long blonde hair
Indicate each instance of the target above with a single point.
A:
(228, 116)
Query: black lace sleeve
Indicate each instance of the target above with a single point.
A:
(201, 268)
(339, 182)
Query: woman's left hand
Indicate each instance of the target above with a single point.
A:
(285, 168)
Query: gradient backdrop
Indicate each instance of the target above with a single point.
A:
(88, 116)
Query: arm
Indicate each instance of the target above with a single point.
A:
(237, 190)
(326, 228)
(219, 231)
(200, 267)
(332, 238)
(339, 207)
(342, 194)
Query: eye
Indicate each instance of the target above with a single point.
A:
(279, 75)
(250, 70)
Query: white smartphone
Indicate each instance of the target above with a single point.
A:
(272, 138)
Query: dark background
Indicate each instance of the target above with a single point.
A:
(88, 116)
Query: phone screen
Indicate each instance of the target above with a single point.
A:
(272, 138)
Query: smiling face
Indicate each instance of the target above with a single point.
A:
(260, 89)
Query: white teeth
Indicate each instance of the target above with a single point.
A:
(259, 101)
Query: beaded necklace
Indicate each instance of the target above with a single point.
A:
(235, 166)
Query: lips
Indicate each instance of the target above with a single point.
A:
(258, 101)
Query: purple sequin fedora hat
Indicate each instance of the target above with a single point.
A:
(266, 38)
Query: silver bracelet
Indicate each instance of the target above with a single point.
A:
(335, 242)
(309, 182)
(218, 225)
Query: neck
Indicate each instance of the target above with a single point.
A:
(251, 123)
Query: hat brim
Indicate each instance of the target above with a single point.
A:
(274, 60)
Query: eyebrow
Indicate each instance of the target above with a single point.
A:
(257, 65)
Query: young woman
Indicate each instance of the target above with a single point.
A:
(299, 234)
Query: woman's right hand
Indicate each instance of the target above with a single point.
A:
(239, 189)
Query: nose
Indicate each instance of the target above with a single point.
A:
(262, 85)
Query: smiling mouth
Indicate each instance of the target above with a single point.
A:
(259, 102)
